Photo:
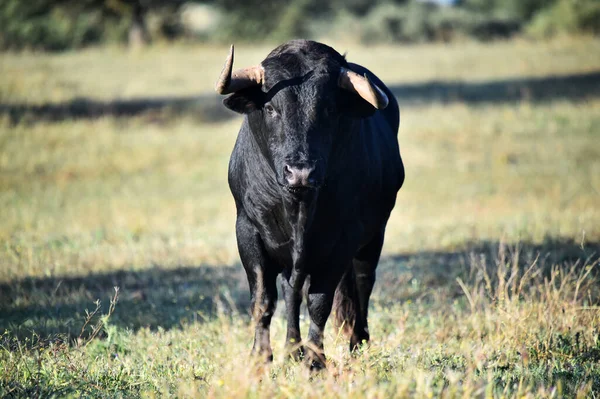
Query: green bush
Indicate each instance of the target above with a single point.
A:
(62, 24)
(522, 10)
(293, 22)
(39, 24)
(567, 16)
(258, 20)
(383, 24)
(420, 22)
(454, 23)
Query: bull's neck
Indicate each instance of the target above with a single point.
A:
(348, 137)
(259, 152)
(300, 217)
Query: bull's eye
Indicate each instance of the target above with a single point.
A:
(270, 110)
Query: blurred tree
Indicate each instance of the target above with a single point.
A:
(250, 19)
(293, 22)
(523, 9)
(486, 6)
(356, 7)
(60, 24)
(567, 16)
(269, 19)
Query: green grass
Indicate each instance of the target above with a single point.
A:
(483, 289)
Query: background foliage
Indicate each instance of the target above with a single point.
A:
(62, 24)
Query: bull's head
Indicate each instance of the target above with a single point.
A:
(298, 103)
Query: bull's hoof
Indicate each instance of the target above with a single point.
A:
(295, 352)
(317, 365)
(262, 356)
(358, 343)
(315, 361)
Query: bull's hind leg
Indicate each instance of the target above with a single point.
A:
(365, 263)
(262, 281)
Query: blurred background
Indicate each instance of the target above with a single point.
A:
(70, 24)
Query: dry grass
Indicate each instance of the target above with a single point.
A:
(488, 285)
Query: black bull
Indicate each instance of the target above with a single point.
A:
(314, 174)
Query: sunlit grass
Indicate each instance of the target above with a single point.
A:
(110, 73)
(116, 192)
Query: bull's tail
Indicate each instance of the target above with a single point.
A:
(345, 303)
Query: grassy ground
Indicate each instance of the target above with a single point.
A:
(113, 173)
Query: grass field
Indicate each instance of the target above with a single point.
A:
(113, 173)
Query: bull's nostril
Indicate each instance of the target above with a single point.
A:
(291, 175)
(298, 177)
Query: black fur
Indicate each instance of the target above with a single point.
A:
(300, 116)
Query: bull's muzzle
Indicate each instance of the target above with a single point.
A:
(299, 178)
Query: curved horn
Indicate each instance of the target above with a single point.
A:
(361, 85)
(231, 82)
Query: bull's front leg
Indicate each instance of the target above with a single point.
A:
(291, 286)
(262, 281)
(320, 301)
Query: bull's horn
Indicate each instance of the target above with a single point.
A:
(231, 82)
(361, 85)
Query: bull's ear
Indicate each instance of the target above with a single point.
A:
(245, 101)
(355, 106)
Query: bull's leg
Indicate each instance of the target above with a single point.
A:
(262, 280)
(264, 300)
(320, 301)
(291, 286)
(364, 264)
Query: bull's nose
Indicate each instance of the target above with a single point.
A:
(299, 177)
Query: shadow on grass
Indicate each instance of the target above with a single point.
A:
(167, 298)
(204, 108)
(421, 276)
(574, 87)
(208, 107)
(153, 298)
